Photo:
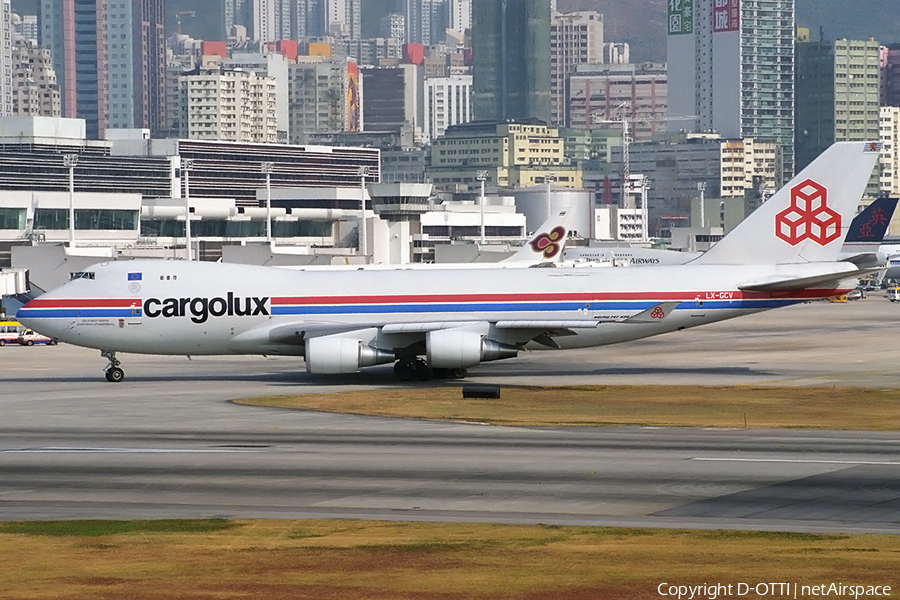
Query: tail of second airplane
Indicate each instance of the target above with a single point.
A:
(547, 244)
(806, 220)
(868, 227)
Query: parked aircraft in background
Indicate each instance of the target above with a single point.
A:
(446, 321)
(544, 249)
(862, 244)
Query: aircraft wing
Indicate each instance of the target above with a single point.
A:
(801, 283)
(297, 333)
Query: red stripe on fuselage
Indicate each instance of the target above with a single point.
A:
(658, 296)
(84, 303)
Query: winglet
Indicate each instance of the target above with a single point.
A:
(547, 245)
(806, 220)
(654, 314)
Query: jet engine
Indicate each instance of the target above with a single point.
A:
(334, 354)
(455, 349)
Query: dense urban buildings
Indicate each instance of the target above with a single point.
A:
(731, 70)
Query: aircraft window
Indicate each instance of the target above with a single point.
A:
(81, 275)
(162, 277)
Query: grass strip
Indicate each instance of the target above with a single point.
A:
(693, 406)
(333, 559)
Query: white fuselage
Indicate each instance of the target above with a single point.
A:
(195, 308)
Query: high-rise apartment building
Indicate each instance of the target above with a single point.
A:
(343, 18)
(6, 58)
(575, 39)
(425, 22)
(393, 25)
(889, 160)
(511, 76)
(35, 90)
(837, 95)
(889, 62)
(75, 31)
(731, 70)
(110, 61)
(323, 96)
(448, 101)
(307, 19)
(25, 27)
(459, 15)
(228, 106)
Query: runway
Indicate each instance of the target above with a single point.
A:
(168, 443)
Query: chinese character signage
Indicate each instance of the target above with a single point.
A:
(680, 17)
(726, 15)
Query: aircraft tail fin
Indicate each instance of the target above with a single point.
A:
(869, 227)
(806, 220)
(547, 244)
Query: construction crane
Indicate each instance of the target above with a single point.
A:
(622, 109)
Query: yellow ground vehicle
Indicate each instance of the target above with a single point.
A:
(9, 332)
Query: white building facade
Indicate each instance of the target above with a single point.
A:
(6, 59)
(448, 101)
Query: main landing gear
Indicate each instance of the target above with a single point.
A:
(114, 374)
(409, 369)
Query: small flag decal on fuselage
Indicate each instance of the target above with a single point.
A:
(134, 277)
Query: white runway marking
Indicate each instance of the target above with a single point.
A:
(63, 450)
(798, 461)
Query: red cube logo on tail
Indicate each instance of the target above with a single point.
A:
(808, 217)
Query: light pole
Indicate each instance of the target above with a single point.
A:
(70, 160)
(645, 214)
(363, 246)
(186, 165)
(267, 168)
(549, 178)
(701, 187)
(482, 176)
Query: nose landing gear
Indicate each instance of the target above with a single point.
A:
(114, 374)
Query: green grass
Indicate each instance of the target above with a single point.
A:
(331, 560)
(689, 406)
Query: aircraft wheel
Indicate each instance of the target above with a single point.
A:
(423, 371)
(403, 370)
(115, 374)
(459, 373)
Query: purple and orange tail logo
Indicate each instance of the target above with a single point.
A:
(548, 243)
(809, 216)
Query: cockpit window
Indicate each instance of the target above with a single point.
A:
(81, 275)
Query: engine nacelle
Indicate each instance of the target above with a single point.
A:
(333, 354)
(455, 349)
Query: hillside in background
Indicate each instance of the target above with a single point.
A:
(641, 23)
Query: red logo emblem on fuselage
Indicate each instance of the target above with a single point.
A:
(548, 243)
(809, 216)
